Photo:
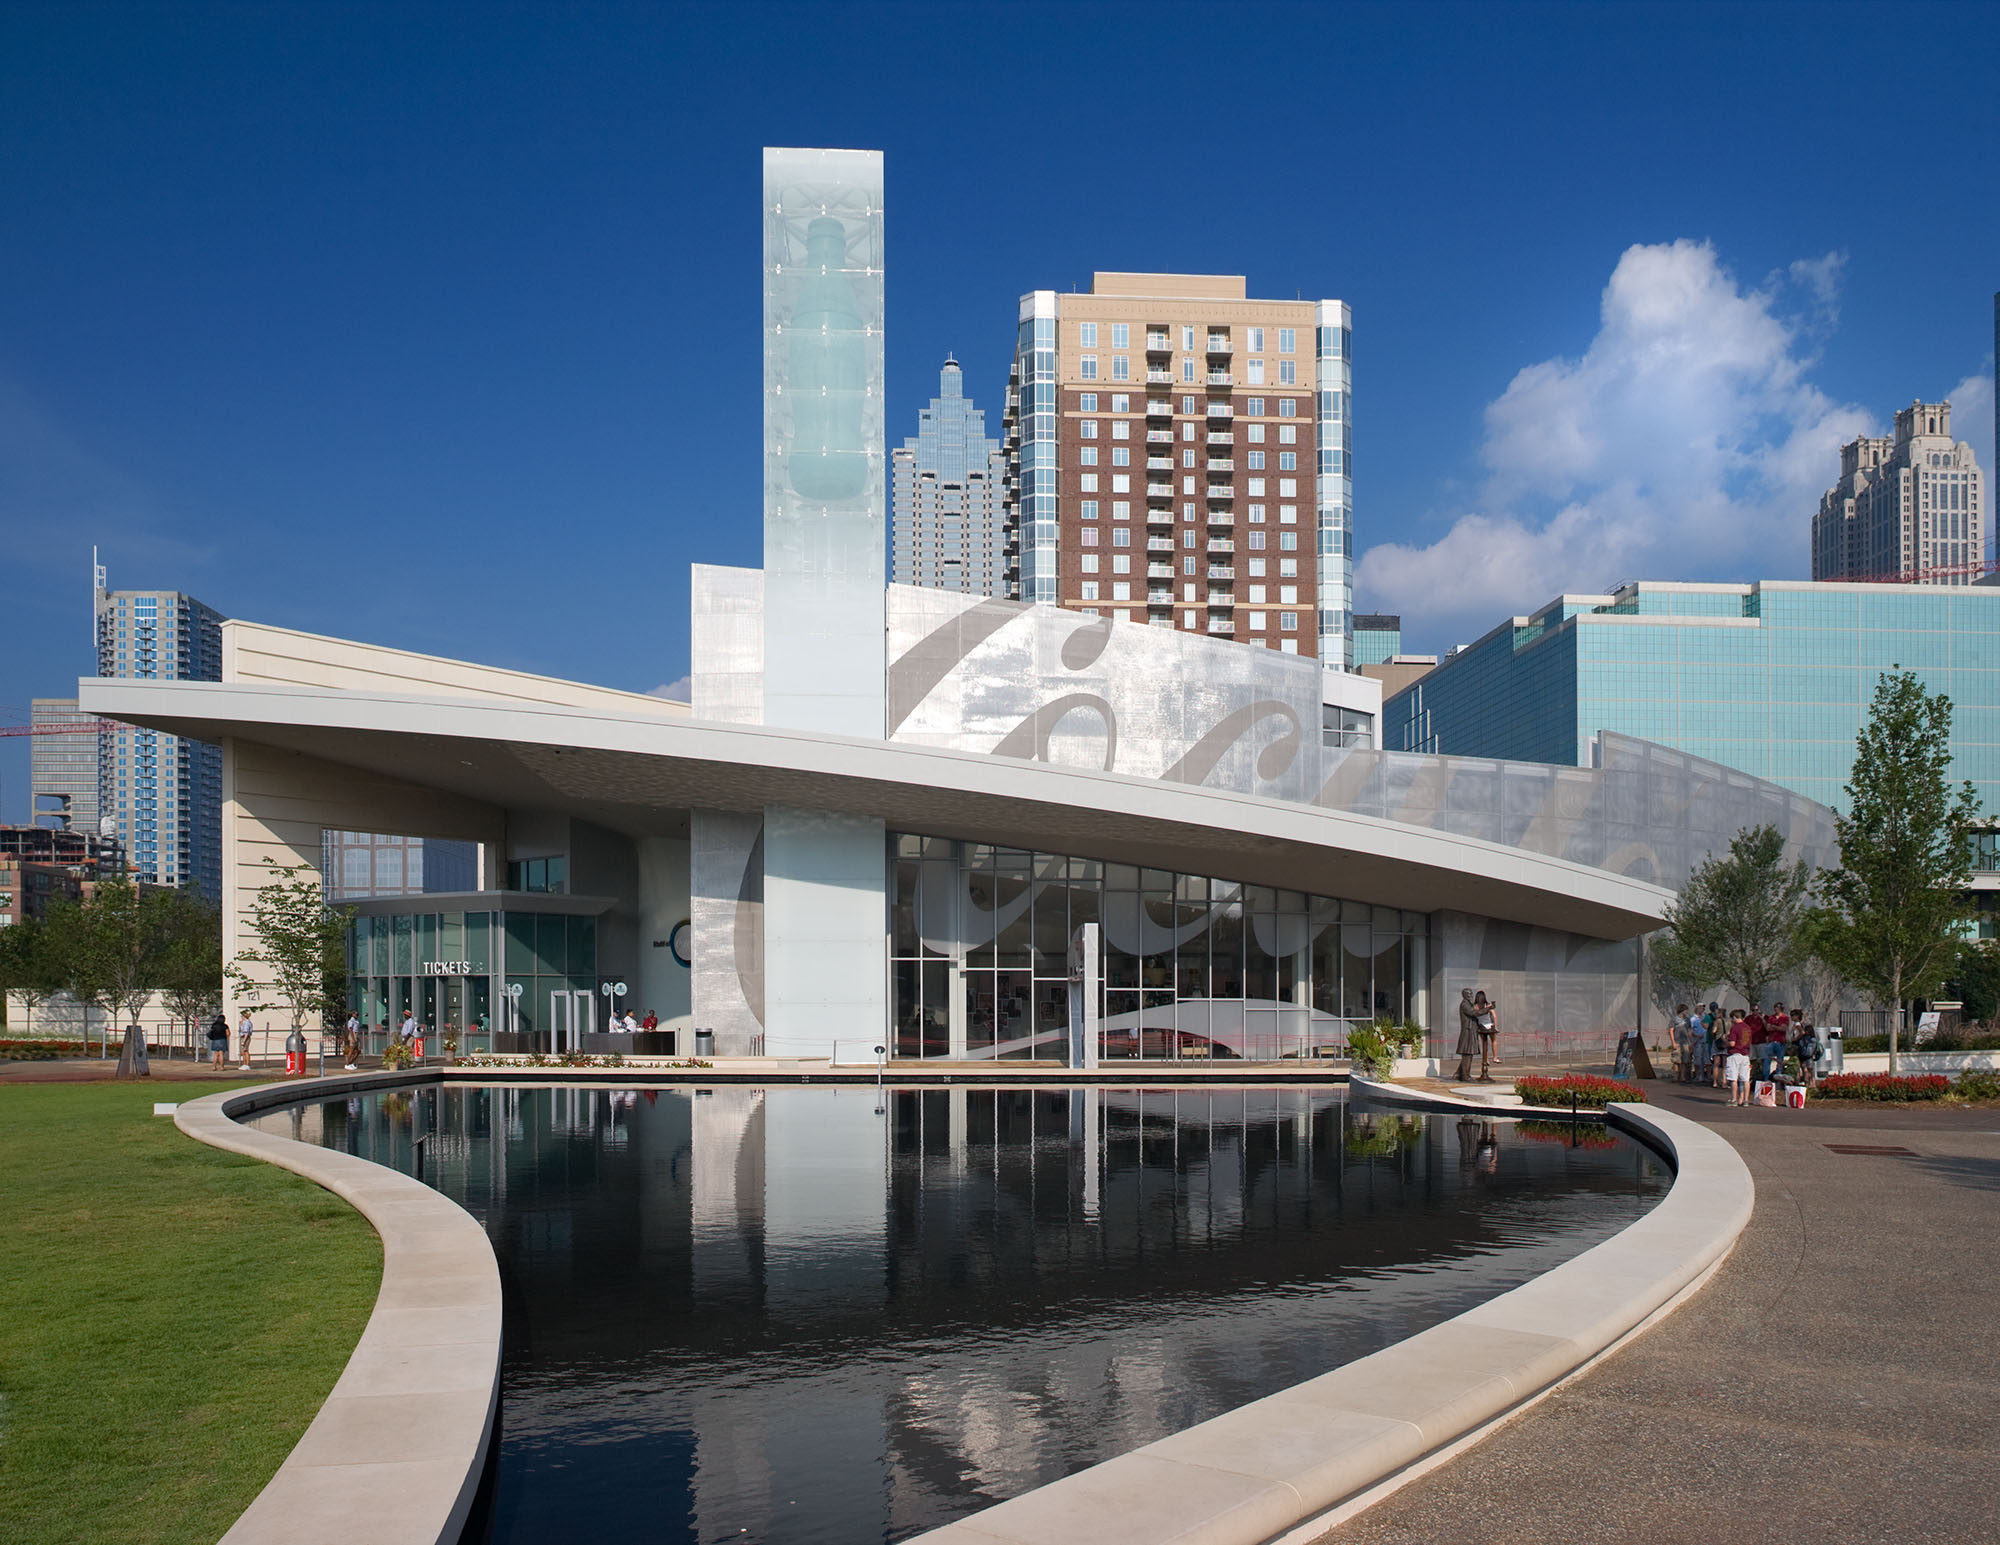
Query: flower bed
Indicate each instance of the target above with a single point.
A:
(1591, 1092)
(1882, 1086)
(41, 1051)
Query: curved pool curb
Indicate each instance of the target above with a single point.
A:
(397, 1450)
(1293, 1464)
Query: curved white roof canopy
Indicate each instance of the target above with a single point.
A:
(640, 775)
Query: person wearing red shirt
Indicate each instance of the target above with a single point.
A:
(1777, 1036)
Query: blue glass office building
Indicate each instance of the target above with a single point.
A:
(1772, 678)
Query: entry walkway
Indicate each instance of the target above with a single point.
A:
(1838, 1379)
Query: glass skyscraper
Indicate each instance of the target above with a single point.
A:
(160, 795)
(1772, 678)
(948, 497)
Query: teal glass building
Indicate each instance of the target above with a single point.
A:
(1772, 678)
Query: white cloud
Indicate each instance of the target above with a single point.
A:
(1686, 442)
(676, 691)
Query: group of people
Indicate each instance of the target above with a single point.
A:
(1724, 1052)
(1478, 1035)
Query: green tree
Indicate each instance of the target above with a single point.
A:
(25, 969)
(296, 935)
(190, 964)
(1893, 913)
(74, 954)
(1977, 975)
(129, 932)
(1739, 920)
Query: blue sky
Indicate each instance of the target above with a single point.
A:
(437, 325)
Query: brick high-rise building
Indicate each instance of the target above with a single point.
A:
(948, 497)
(1908, 507)
(1181, 455)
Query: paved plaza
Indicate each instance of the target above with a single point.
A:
(1838, 1379)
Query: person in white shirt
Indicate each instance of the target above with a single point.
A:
(243, 1039)
(629, 1025)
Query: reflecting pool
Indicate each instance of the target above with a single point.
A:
(803, 1314)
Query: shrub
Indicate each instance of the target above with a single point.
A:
(41, 1051)
(1591, 1092)
(398, 1055)
(1881, 1086)
(1372, 1048)
(1977, 1084)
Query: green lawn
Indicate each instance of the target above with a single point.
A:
(171, 1317)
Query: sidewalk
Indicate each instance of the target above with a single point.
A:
(1837, 1380)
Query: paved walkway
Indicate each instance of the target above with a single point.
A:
(1838, 1379)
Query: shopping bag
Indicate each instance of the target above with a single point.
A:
(1764, 1092)
(1795, 1098)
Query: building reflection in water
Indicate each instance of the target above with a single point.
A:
(781, 1314)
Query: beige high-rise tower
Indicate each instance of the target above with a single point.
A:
(1179, 455)
(1909, 507)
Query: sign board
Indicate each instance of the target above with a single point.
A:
(513, 989)
(447, 968)
(1927, 1027)
(1632, 1059)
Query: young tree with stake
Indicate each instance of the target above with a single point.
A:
(295, 934)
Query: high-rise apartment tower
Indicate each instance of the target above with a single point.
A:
(160, 795)
(1909, 507)
(948, 497)
(63, 767)
(1181, 455)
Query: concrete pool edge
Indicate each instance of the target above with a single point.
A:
(1285, 1468)
(405, 1432)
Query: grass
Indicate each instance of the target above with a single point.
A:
(171, 1317)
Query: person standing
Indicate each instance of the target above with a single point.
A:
(1489, 1037)
(1468, 1034)
(1777, 1036)
(1758, 1037)
(243, 1039)
(1807, 1047)
(218, 1041)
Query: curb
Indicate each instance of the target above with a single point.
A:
(1293, 1464)
(403, 1437)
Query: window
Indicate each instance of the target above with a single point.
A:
(1187, 431)
(1288, 622)
(1289, 594)
(1120, 403)
(1256, 568)
(1256, 622)
(1288, 340)
(1187, 512)
(1188, 405)
(1288, 434)
(1121, 367)
(1254, 434)
(1089, 590)
(1087, 402)
(1288, 461)
(1187, 619)
(1187, 458)
(1256, 595)
(1288, 372)
(1288, 541)
(1256, 376)
(1121, 455)
(1254, 541)
(1121, 590)
(1087, 429)
(1087, 456)
(1187, 337)
(1087, 367)
(1187, 485)
(1256, 514)
(1089, 561)
(1121, 536)
(1121, 482)
(1255, 461)
(1089, 508)
(1187, 538)
(1187, 564)
(1088, 482)
(1288, 568)
(1121, 563)
(1256, 488)
(1256, 340)
(1121, 335)
(1288, 407)
(1288, 514)
(1088, 537)
(1086, 334)
(1121, 509)
(1187, 370)
(1121, 429)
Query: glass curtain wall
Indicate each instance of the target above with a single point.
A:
(452, 971)
(1191, 967)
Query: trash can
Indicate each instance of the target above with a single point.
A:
(1832, 1055)
(704, 1043)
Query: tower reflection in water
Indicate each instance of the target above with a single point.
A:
(779, 1314)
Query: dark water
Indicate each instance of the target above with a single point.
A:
(779, 1315)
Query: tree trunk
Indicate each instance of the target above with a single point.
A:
(1895, 1017)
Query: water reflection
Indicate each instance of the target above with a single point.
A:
(785, 1315)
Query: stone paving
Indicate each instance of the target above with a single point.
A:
(1838, 1380)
